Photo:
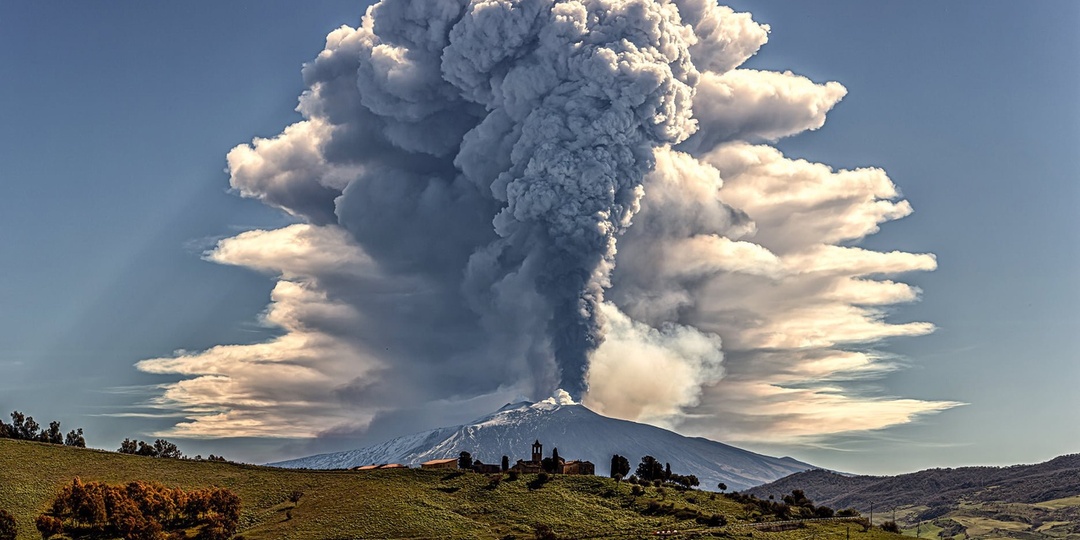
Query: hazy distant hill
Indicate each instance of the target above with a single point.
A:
(1055, 479)
(579, 433)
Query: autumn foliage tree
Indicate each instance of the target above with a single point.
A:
(139, 511)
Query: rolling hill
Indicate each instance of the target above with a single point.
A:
(1027, 502)
(402, 503)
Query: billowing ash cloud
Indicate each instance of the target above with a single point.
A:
(503, 196)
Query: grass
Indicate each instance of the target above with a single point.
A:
(1058, 504)
(409, 503)
(925, 530)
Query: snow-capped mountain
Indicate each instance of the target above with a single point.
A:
(578, 433)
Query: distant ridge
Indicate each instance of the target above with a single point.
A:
(578, 433)
(1054, 479)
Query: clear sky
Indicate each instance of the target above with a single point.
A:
(118, 118)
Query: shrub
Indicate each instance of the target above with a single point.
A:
(890, 526)
(543, 532)
(294, 497)
(713, 520)
(823, 512)
(539, 481)
(49, 526)
(8, 529)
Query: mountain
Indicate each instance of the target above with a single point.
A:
(1055, 479)
(578, 433)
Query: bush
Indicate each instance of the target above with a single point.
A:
(890, 526)
(713, 520)
(543, 532)
(823, 512)
(49, 526)
(294, 497)
(539, 481)
(8, 529)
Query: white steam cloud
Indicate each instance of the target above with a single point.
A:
(524, 195)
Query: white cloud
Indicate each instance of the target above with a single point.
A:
(284, 387)
(749, 105)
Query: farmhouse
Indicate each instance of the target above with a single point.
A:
(372, 467)
(451, 463)
(579, 467)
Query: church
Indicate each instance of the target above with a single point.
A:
(561, 466)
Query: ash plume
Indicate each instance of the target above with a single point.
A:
(505, 196)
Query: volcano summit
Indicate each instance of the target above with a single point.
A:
(578, 433)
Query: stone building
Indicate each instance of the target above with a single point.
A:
(535, 465)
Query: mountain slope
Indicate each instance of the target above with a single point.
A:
(578, 433)
(1054, 479)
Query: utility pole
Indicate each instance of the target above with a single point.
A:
(871, 513)
(849, 532)
(918, 530)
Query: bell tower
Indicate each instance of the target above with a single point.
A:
(537, 452)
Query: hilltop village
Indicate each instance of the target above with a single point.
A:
(536, 464)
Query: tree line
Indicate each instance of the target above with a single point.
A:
(25, 428)
(650, 470)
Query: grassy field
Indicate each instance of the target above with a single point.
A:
(1057, 519)
(407, 503)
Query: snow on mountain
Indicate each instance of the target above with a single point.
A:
(578, 433)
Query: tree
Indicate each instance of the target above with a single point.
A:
(619, 465)
(464, 460)
(547, 464)
(505, 463)
(667, 471)
(24, 427)
(722, 487)
(75, 438)
(166, 449)
(53, 435)
(797, 498)
(650, 469)
(129, 447)
(8, 528)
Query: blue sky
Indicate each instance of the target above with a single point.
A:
(112, 185)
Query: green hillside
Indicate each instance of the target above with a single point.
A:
(407, 503)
